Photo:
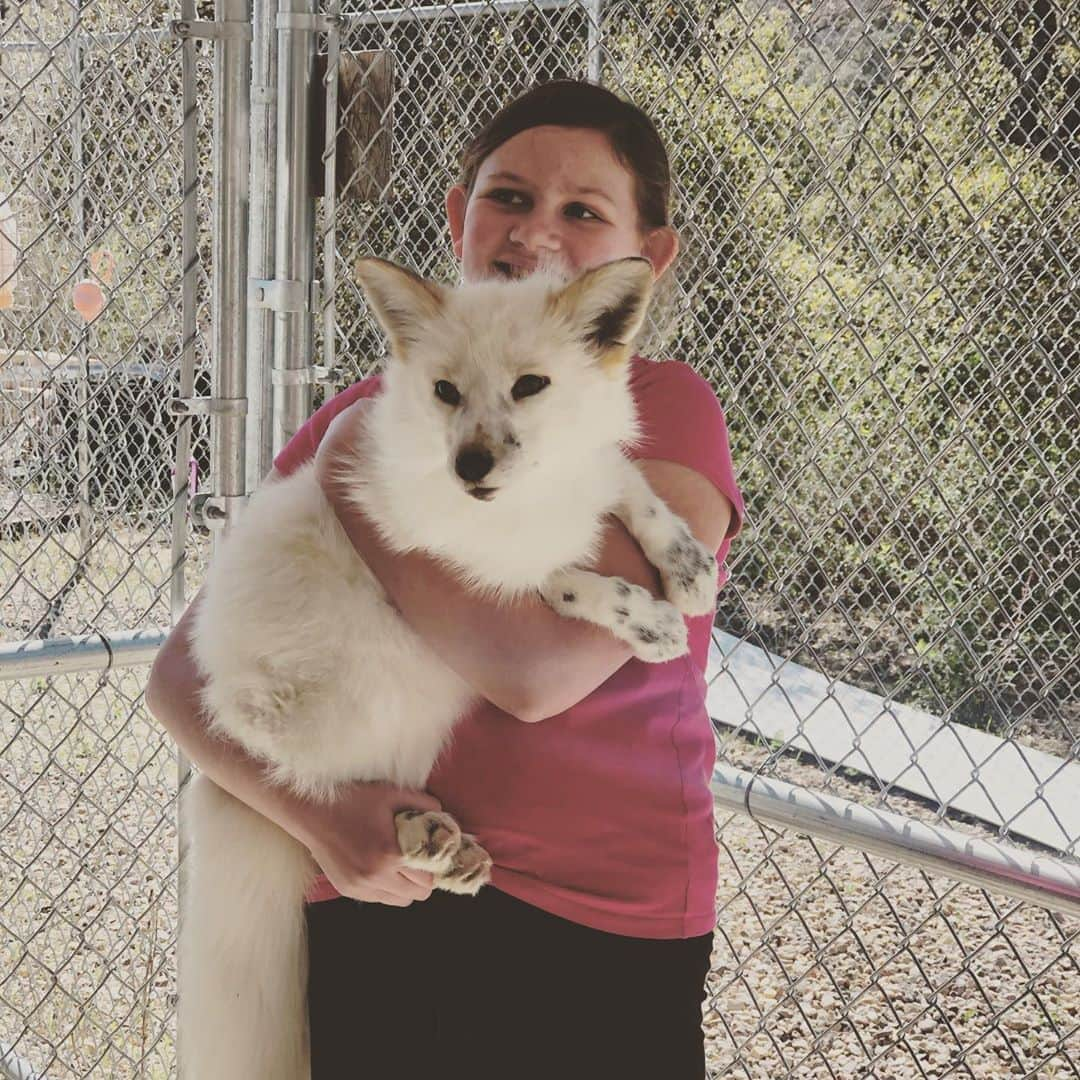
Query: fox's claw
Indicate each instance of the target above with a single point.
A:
(470, 870)
(429, 840)
(654, 629)
(688, 571)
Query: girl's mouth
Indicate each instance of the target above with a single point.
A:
(505, 270)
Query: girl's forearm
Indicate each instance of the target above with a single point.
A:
(521, 656)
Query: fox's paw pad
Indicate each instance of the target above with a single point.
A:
(654, 629)
(469, 871)
(428, 839)
(688, 571)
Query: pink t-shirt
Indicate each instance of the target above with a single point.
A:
(603, 814)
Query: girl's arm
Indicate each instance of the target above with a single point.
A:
(522, 657)
(353, 839)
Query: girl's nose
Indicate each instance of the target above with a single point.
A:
(537, 233)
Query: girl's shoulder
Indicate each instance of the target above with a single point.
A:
(302, 446)
(668, 386)
(647, 374)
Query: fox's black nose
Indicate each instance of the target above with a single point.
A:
(473, 463)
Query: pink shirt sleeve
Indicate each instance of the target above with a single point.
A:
(682, 421)
(302, 446)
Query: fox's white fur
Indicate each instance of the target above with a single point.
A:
(309, 667)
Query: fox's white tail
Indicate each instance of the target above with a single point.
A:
(242, 1012)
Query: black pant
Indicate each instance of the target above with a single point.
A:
(489, 988)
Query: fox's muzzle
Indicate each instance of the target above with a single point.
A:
(473, 463)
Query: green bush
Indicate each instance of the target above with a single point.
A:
(878, 284)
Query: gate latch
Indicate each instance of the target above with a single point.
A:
(212, 512)
(186, 28)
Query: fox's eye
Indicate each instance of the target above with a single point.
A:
(448, 392)
(528, 385)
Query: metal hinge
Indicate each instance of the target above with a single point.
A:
(279, 294)
(317, 373)
(185, 28)
(304, 20)
(208, 406)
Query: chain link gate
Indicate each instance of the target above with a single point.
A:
(878, 208)
(105, 318)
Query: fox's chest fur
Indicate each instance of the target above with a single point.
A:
(512, 544)
(309, 666)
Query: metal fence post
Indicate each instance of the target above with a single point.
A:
(78, 211)
(232, 62)
(261, 237)
(595, 40)
(294, 219)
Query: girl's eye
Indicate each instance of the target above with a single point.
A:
(505, 195)
(581, 206)
(508, 197)
(528, 385)
(448, 392)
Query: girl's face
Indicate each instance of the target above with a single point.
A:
(555, 197)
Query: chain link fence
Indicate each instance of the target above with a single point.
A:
(91, 337)
(878, 208)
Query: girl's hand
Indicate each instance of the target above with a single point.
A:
(354, 841)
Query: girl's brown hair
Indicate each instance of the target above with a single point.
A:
(579, 104)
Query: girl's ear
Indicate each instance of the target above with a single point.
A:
(456, 201)
(660, 246)
(605, 307)
(403, 302)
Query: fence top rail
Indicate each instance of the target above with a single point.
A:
(1049, 882)
(82, 652)
(379, 17)
(136, 35)
(383, 16)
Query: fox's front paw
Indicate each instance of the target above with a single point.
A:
(688, 571)
(469, 871)
(430, 840)
(654, 629)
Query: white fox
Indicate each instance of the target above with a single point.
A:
(496, 444)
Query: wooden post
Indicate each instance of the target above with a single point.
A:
(365, 93)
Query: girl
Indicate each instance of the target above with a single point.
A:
(584, 772)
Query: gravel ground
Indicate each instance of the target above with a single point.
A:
(831, 963)
(88, 901)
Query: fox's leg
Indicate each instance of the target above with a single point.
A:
(687, 568)
(653, 628)
(433, 841)
(242, 954)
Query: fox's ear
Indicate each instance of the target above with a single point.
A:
(403, 302)
(607, 306)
